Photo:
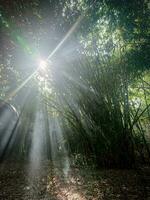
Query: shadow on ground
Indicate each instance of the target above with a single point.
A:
(49, 183)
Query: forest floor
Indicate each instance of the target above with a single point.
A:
(20, 182)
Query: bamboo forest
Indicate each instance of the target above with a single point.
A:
(74, 100)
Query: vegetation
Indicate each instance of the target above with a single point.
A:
(74, 99)
(89, 101)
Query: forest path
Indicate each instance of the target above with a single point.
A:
(49, 183)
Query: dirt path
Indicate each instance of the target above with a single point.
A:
(18, 181)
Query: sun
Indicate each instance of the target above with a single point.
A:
(43, 70)
(42, 65)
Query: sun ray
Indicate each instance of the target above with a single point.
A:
(66, 37)
(12, 94)
(71, 30)
(26, 47)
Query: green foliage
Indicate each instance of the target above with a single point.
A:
(96, 96)
(98, 83)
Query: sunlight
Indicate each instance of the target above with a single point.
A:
(58, 150)
(14, 92)
(42, 72)
(42, 65)
(72, 194)
(8, 125)
(71, 30)
(77, 73)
